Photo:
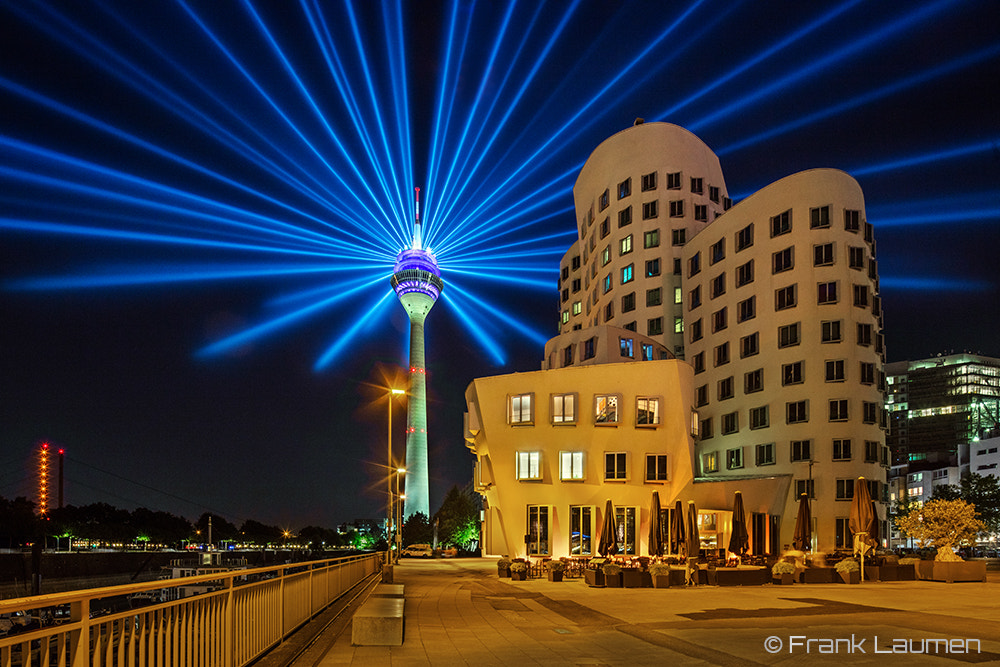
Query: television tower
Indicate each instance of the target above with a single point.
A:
(417, 282)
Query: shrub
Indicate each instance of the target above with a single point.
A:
(909, 561)
(945, 524)
(848, 565)
(612, 569)
(782, 567)
(519, 567)
(659, 570)
(555, 566)
(503, 563)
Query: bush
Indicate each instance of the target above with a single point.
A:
(519, 567)
(555, 566)
(612, 569)
(782, 567)
(659, 570)
(944, 524)
(848, 565)
(909, 561)
(503, 563)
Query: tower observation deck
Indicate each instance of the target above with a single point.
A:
(417, 282)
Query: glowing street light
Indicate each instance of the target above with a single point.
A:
(399, 513)
(390, 392)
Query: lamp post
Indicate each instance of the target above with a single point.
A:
(399, 513)
(390, 392)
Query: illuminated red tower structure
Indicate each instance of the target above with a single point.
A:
(44, 481)
(417, 282)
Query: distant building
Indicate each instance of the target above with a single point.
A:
(774, 305)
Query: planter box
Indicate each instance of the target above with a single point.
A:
(631, 578)
(613, 580)
(678, 577)
(593, 577)
(881, 572)
(741, 577)
(785, 579)
(503, 572)
(555, 576)
(819, 575)
(850, 577)
(906, 572)
(951, 572)
(662, 581)
(519, 576)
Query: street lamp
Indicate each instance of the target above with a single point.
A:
(399, 513)
(390, 392)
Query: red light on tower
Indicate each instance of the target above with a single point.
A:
(43, 479)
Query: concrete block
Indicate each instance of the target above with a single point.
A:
(388, 591)
(379, 622)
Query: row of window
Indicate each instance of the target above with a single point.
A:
(627, 349)
(583, 538)
(674, 181)
(842, 449)
(796, 412)
(607, 409)
(827, 293)
(844, 489)
(529, 466)
(789, 335)
(791, 373)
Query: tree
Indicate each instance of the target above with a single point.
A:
(943, 524)
(18, 523)
(221, 529)
(417, 529)
(981, 491)
(254, 532)
(458, 520)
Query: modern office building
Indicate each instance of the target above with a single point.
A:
(774, 305)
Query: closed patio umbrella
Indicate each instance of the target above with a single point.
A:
(802, 536)
(693, 539)
(875, 533)
(608, 546)
(860, 520)
(655, 543)
(739, 540)
(678, 541)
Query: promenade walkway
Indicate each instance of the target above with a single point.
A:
(458, 612)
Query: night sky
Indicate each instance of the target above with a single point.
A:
(193, 102)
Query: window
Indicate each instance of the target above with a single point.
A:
(697, 186)
(694, 264)
(861, 296)
(722, 354)
(852, 220)
(678, 325)
(625, 217)
(753, 381)
(835, 370)
(605, 227)
(694, 298)
(801, 450)
(625, 188)
(653, 268)
(845, 489)
(674, 181)
(838, 409)
(577, 307)
(651, 239)
(654, 327)
(650, 210)
(701, 395)
(805, 486)
(607, 283)
(625, 245)
(647, 411)
(565, 316)
(783, 260)
(565, 294)
(797, 412)
(731, 424)
(785, 297)
(765, 454)
(871, 451)
(677, 208)
(698, 361)
(823, 254)
(606, 408)
(649, 181)
(701, 212)
(538, 530)
(626, 519)
(581, 531)
(869, 412)
(678, 295)
(746, 309)
(609, 311)
(841, 449)
(749, 345)
(628, 273)
(734, 458)
(718, 285)
(744, 238)
(564, 408)
(615, 466)
(705, 428)
(654, 297)
(827, 292)
(604, 200)
(726, 388)
(529, 465)
(781, 223)
(791, 373)
(647, 351)
(576, 285)
(628, 302)
(759, 417)
(626, 346)
(830, 331)
(856, 257)
(788, 335)
(819, 217)
(867, 373)
(657, 469)
(744, 274)
(589, 348)
(677, 266)
(568, 355)
(606, 255)
(864, 334)
(709, 462)
(520, 409)
(713, 193)
(571, 466)
(719, 320)
(717, 252)
(678, 237)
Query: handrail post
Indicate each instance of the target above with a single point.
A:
(79, 612)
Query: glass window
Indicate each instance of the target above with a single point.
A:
(651, 239)
(654, 297)
(744, 274)
(759, 417)
(606, 408)
(709, 462)
(830, 331)
(697, 186)
(654, 327)
(520, 409)
(753, 381)
(677, 208)
(819, 217)
(653, 267)
(785, 297)
(625, 245)
(827, 292)
(835, 370)
(838, 409)
(674, 181)
(564, 408)
(783, 260)
(649, 181)
(841, 449)
(781, 223)
(845, 489)
(797, 412)
(625, 217)
(625, 188)
(627, 347)
(657, 469)
(571, 466)
(749, 345)
(801, 450)
(615, 466)
(788, 335)
(647, 411)
(538, 530)
(744, 238)
(626, 519)
(529, 465)
(731, 424)
(734, 458)
(823, 254)
(650, 210)
(746, 309)
(581, 518)
(765, 454)
(792, 373)
(628, 273)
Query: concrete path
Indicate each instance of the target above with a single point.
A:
(458, 612)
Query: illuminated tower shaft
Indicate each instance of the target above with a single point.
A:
(417, 282)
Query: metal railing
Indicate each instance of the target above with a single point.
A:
(240, 615)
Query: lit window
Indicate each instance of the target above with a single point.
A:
(678, 295)
(577, 307)
(657, 468)
(615, 466)
(709, 462)
(625, 245)
(581, 532)
(563, 408)
(734, 458)
(606, 408)
(628, 273)
(626, 346)
(647, 411)
(571, 466)
(651, 239)
(647, 352)
(607, 283)
(529, 465)
(520, 409)
(538, 530)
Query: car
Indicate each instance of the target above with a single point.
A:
(417, 551)
(13, 622)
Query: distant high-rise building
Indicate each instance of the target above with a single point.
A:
(417, 282)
